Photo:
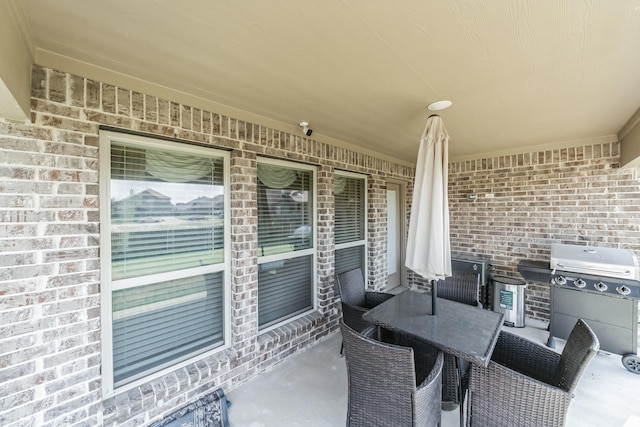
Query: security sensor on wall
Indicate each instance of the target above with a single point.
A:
(305, 128)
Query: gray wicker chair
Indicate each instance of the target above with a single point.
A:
(462, 287)
(391, 384)
(527, 384)
(355, 299)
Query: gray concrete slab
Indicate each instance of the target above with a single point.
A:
(310, 389)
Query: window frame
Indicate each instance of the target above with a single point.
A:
(364, 242)
(262, 259)
(107, 138)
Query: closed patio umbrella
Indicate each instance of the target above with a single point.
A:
(428, 246)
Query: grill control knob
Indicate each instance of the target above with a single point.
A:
(623, 290)
(561, 280)
(580, 283)
(601, 287)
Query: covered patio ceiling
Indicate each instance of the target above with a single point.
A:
(520, 74)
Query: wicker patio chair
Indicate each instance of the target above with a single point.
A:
(463, 287)
(527, 384)
(391, 384)
(355, 300)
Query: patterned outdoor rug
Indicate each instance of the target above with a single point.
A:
(208, 411)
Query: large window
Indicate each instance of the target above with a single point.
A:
(286, 242)
(350, 221)
(163, 254)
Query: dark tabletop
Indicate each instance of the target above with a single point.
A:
(459, 329)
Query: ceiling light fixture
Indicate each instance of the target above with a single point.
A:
(440, 105)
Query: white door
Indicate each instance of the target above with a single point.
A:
(394, 235)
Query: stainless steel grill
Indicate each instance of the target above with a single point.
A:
(607, 262)
(599, 285)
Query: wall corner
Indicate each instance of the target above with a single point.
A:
(629, 137)
(15, 68)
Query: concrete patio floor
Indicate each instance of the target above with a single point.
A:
(310, 389)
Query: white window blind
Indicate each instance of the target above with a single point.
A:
(350, 222)
(350, 258)
(286, 253)
(285, 289)
(167, 241)
(157, 324)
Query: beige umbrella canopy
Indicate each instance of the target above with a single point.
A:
(428, 246)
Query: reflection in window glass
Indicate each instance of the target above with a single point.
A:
(159, 221)
(284, 209)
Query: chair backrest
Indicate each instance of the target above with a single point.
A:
(352, 287)
(461, 286)
(580, 348)
(382, 379)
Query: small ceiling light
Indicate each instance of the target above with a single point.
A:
(440, 105)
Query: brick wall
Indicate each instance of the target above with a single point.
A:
(525, 202)
(49, 238)
(50, 357)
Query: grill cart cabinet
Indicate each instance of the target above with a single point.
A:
(608, 316)
(612, 316)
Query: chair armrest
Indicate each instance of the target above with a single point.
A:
(425, 355)
(352, 316)
(429, 363)
(526, 357)
(435, 374)
(428, 394)
(503, 397)
(374, 298)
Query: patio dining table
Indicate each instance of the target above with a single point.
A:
(464, 331)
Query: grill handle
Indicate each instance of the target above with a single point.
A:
(598, 271)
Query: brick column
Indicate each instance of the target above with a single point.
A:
(326, 239)
(244, 249)
(377, 230)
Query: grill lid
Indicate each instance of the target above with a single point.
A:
(612, 262)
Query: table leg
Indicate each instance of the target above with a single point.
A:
(460, 391)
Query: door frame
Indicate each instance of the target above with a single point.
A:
(401, 227)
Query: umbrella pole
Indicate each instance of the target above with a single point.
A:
(434, 296)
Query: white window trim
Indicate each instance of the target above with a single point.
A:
(311, 251)
(107, 288)
(351, 244)
(365, 241)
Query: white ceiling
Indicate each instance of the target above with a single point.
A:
(520, 73)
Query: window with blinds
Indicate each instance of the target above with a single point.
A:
(286, 248)
(166, 230)
(350, 221)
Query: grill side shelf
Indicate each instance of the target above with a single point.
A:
(535, 271)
